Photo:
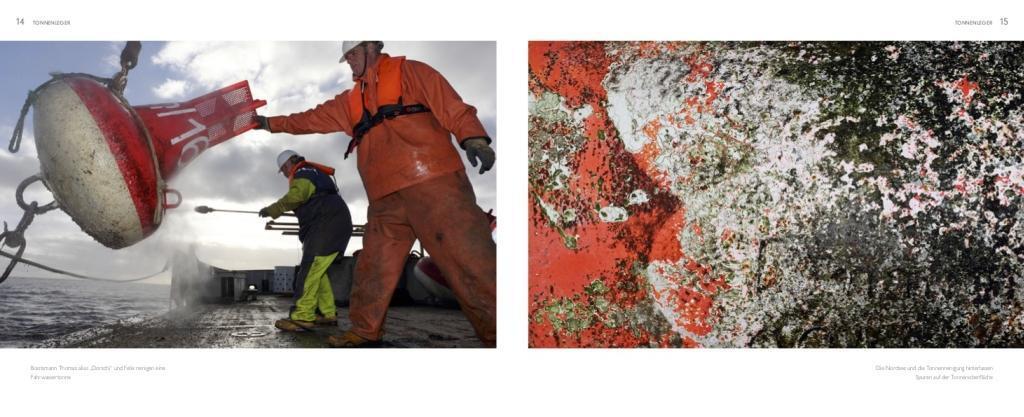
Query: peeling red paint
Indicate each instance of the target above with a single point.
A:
(666, 240)
(714, 88)
(967, 89)
(700, 67)
(557, 268)
(574, 70)
(648, 153)
(696, 268)
(692, 308)
(607, 252)
(652, 128)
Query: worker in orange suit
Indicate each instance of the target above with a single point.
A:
(401, 115)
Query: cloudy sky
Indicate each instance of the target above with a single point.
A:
(238, 174)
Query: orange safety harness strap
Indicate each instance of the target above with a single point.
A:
(389, 91)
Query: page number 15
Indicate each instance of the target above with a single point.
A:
(1004, 21)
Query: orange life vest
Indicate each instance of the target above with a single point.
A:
(322, 168)
(389, 100)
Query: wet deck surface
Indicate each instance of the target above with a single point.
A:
(251, 325)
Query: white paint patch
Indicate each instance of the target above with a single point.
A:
(569, 215)
(582, 113)
(560, 172)
(550, 212)
(613, 214)
(638, 196)
(640, 94)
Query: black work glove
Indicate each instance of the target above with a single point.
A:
(478, 148)
(262, 123)
(264, 212)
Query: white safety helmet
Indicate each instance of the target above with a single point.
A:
(283, 157)
(348, 45)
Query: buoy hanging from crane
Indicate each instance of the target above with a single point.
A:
(107, 162)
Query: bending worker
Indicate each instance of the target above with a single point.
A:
(325, 226)
(401, 115)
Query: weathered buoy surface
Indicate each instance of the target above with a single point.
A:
(96, 161)
(796, 194)
(106, 167)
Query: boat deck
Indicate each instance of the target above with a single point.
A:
(251, 325)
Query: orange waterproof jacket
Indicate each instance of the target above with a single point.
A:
(407, 149)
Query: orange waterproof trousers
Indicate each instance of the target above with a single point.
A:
(442, 213)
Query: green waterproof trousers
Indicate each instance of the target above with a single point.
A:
(316, 291)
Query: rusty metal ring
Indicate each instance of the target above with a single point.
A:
(19, 196)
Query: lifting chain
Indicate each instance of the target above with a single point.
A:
(129, 59)
(16, 238)
(116, 84)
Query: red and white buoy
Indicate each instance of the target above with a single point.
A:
(429, 276)
(106, 163)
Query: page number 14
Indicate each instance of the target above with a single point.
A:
(20, 21)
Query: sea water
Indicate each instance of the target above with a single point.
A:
(36, 309)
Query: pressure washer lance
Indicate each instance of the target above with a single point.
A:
(205, 209)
